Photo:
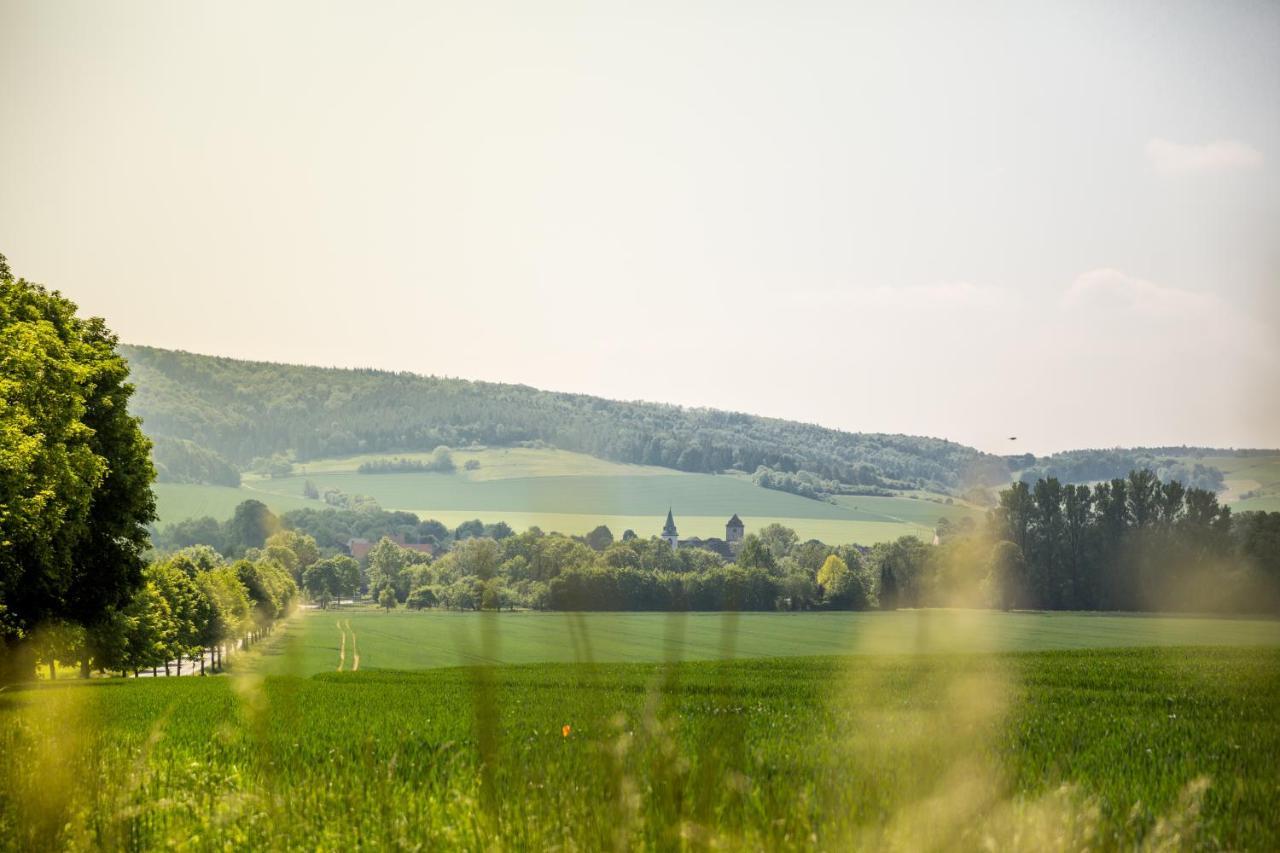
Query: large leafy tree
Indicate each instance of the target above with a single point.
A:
(75, 470)
(249, 528)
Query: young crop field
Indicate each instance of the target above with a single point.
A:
(322, 640)
(1164, 748)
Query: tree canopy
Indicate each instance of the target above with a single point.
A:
(75, 468)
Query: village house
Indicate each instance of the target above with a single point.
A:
(360, 548)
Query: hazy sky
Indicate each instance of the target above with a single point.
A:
(1058, 221)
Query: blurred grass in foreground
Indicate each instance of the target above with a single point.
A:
(1162, 748)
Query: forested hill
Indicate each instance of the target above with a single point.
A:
(243, 410)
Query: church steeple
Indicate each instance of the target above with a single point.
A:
(733, 531)
(669, 531)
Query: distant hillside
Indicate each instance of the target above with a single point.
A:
(244, 410)
(1199, 467)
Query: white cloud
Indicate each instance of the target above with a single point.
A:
(1112, 290)
(1133, 312)
(1220, 155)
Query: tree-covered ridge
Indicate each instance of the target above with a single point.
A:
(244, 410)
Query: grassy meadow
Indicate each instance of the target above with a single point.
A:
(572, 493)
(1164, 748)
(320, 641)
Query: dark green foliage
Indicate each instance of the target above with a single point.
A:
(804, 483)
(888, 587)
(75, 469)
(275, 465)
(600, 538)
(1007, 576)
(1258, 540)
(249, 528)
(331, 578)
(180, 461)
(244, 410)
(1134, 543)
(420, 598)
(440, 462)
(756, 554)
(1085, 466)
(331, 528)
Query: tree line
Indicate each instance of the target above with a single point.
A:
(551, 571)
(441, 462)
(252, 522)
(1135, 543)
(1087, 466)
(191, 607)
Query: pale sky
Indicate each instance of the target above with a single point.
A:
(1058, 221)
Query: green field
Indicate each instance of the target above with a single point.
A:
(573, 493)
(1158, 748)
(1249, 474)
(311, 642)
(178, 501)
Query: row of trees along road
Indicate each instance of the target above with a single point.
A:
(191, 607)
(75, 505)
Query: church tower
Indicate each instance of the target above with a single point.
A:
(733, 531)
(669, 532)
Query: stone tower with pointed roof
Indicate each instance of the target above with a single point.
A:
(733, 532)
(669, 531)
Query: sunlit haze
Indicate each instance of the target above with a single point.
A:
(975, 221)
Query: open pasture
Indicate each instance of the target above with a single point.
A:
(314, 641)
(1161, 748)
